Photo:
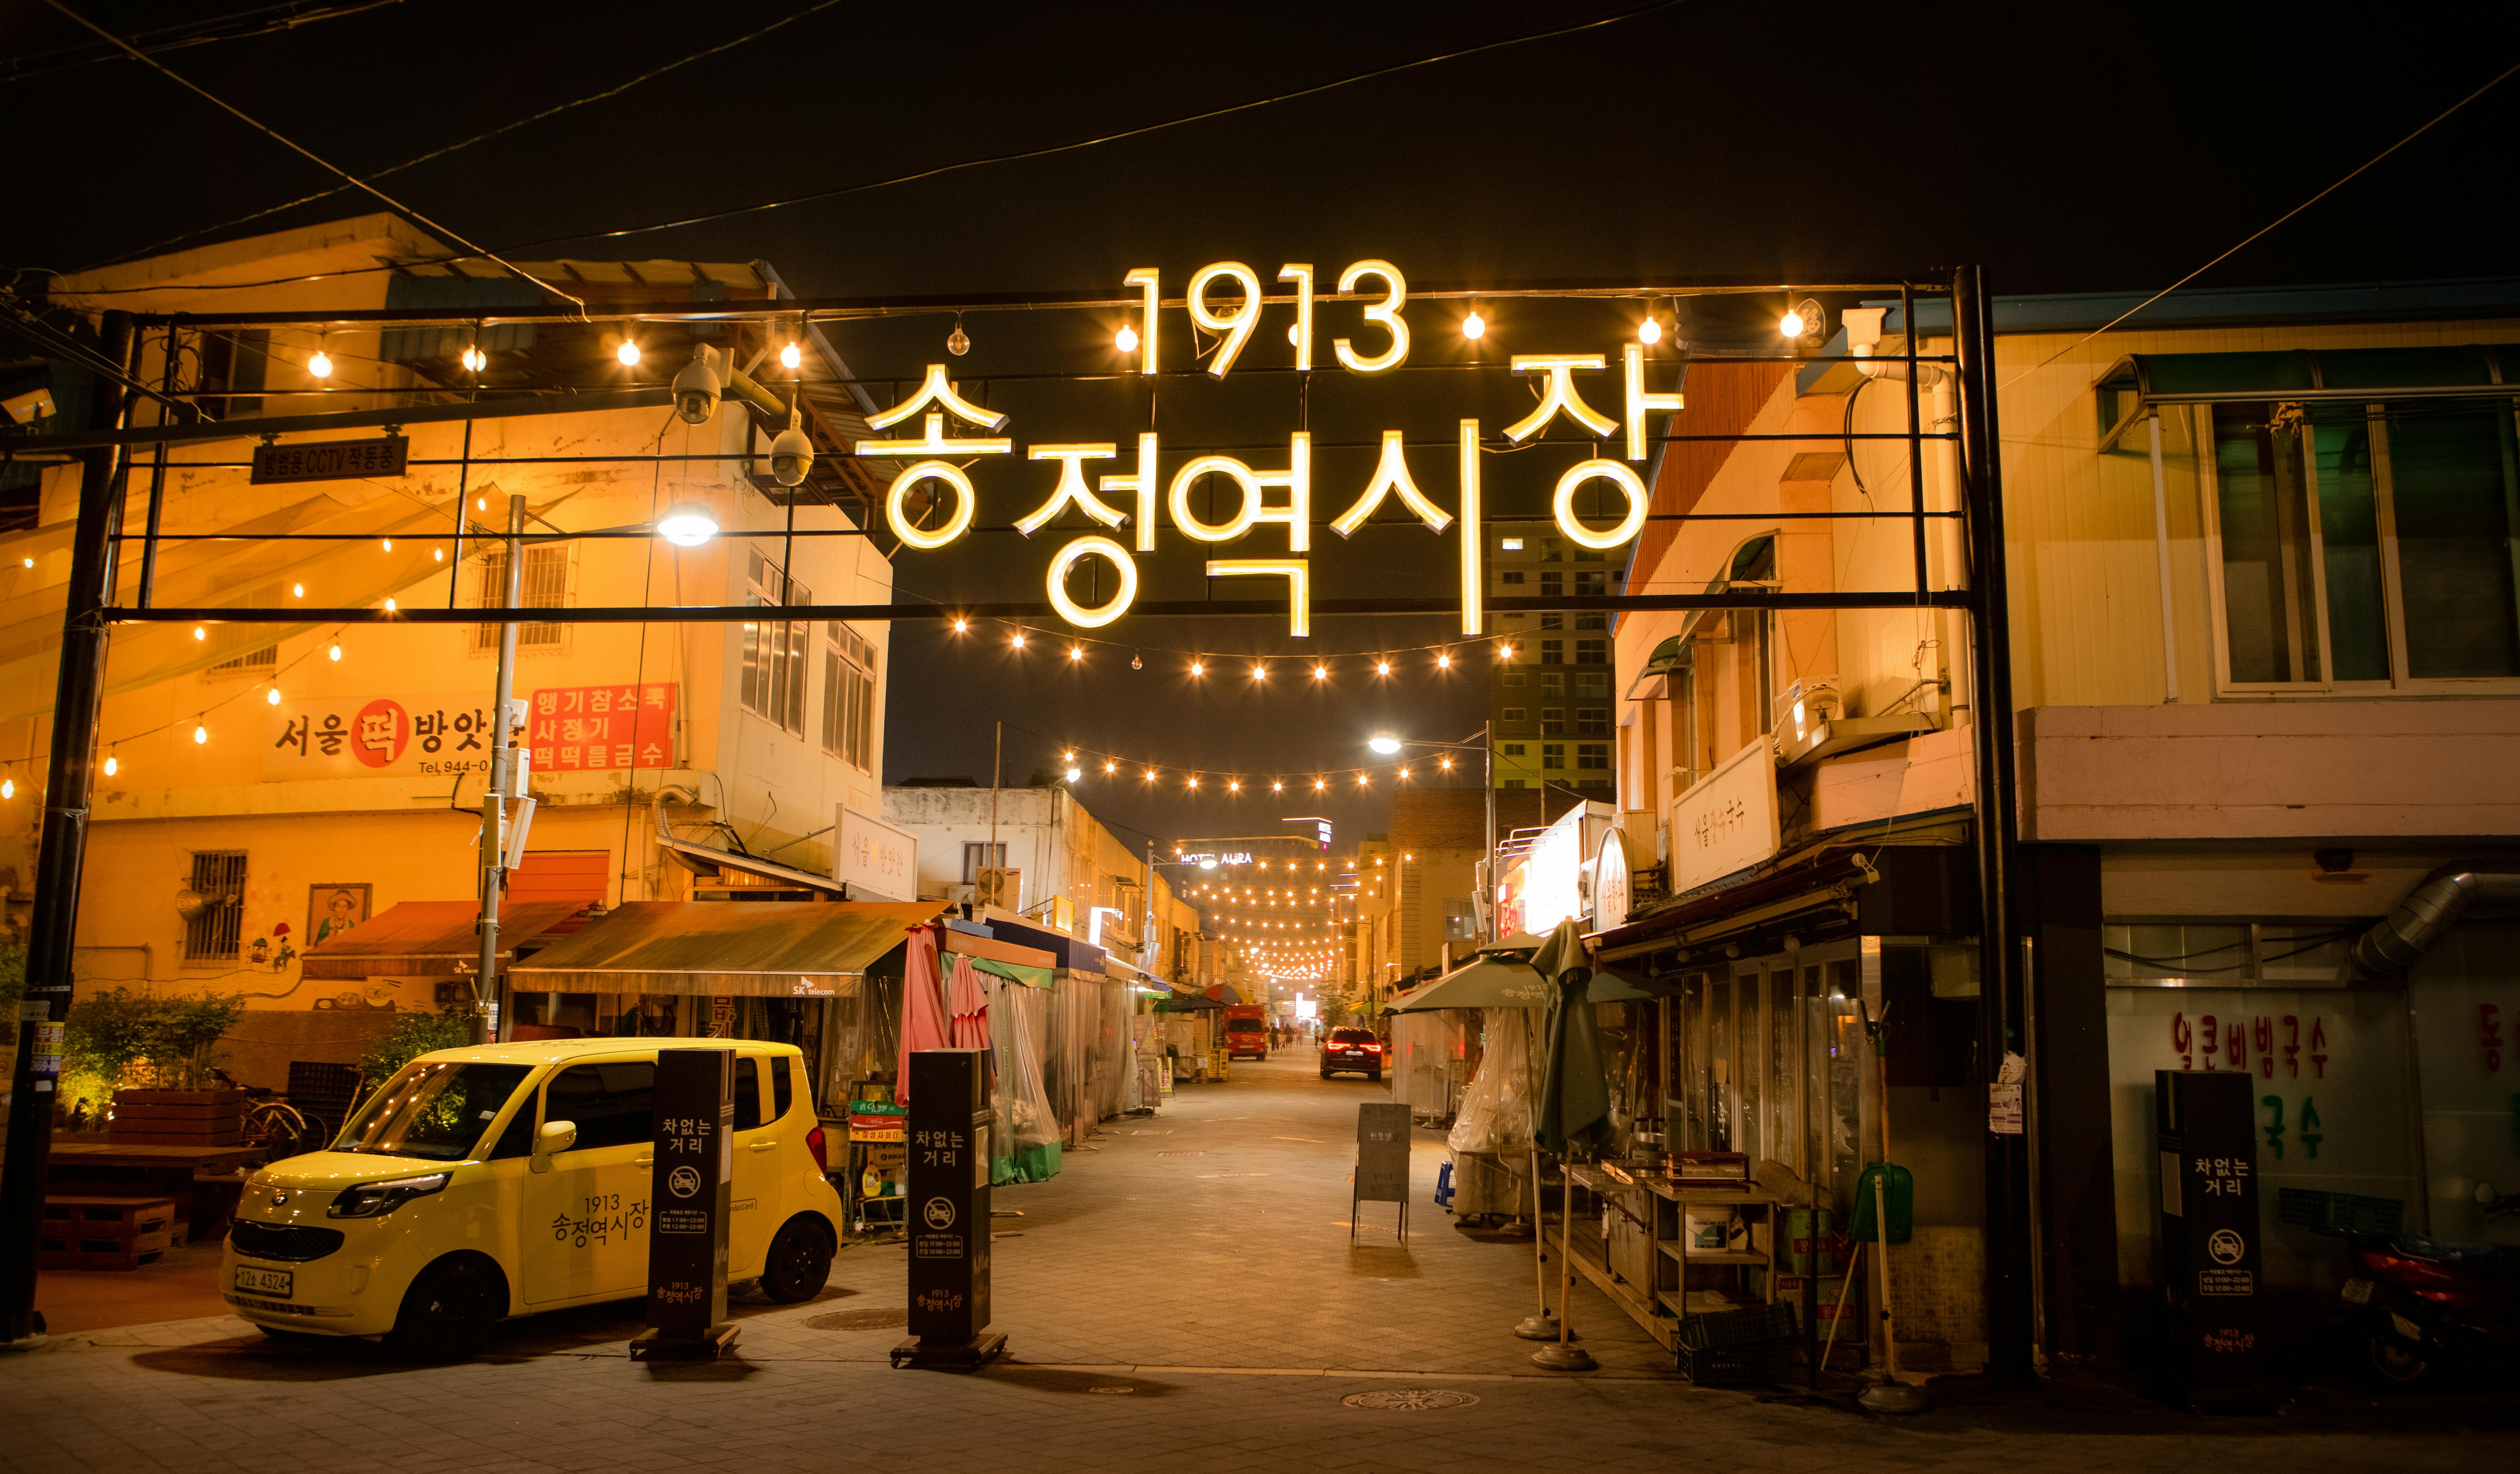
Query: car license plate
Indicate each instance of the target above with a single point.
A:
(2357, 1292)
(265, 1281)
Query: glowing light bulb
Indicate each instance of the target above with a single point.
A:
(1018, 642)
(320, 365)
(628, 352)
(1111, 767)
(1649, 330)
(474, 359)
(1126, 339)
(1276, 786)
(1233, 785)
(1444, 763)
(28, 561)
(298, 591)
(1790, 325)
(1150, 774)
(389, 605)
(113, 764)
(1067, 757)
(480, 504)
(1205, 865)
(200, 633)
(1075, 652)
(201, 735)
(1444, 663)
(958, 342)
(1198, 668)
(8, 787)
(437, 554)
(388, 542)
(791, 356)
(1474, 325)
(1259, 672)
(1382, 667)
(1073, 774)
(1404, 773)
(961, 625)
(1505, 652)
(1320, 672)
(1361, 780)
(337, 652)
(272, 696)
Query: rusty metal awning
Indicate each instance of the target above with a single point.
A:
(430, 939)
(768, 949)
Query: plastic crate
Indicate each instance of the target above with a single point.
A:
(1737, 1365)
(1756, 1325)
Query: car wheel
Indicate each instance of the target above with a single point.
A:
(451, 1310)
(2393, 1362)
(1375, 1074)
(1326, 1074)
(799, 1262)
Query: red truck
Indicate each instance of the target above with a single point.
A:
(1247, 1031)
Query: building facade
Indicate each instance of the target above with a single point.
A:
(2261, 560)
(265, 786)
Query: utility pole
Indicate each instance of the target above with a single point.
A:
(79, 699)
(2003, 989)
(1487, 867)
(502, 786)
(996, 867)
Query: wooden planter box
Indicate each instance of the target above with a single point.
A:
(177, 1118)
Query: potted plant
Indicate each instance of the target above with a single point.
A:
(166, 1046)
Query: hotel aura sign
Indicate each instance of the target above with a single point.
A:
(1145, 495)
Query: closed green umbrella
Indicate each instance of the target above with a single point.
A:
(1574, 1106)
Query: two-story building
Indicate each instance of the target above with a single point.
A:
(2263, 549)
(263, 788)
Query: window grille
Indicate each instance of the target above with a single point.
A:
(219, 878)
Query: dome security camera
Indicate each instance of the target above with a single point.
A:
(697, 388)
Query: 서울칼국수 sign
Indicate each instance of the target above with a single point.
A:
(1226, 299)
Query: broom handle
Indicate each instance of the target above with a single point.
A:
(1839, 1315)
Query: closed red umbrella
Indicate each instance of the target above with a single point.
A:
(967, 998)
(925, 1024)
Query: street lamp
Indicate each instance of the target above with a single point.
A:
(1389, 743)
(686, 525)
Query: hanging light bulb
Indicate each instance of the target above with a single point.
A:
(962, 625)
(200, 633)
(1111, 768)
(1150, 774)
(1382, 667)
(1198, 668)
(1259, 672)
(1075, 652)
(272, 696)
(437, 554)
(1320, 672)
(319, 364)
(337, 652)
(389, 605)
(1235, 785)
(475, 360)
(1474, 326)
(1650, 330)
(1019, 640)
(1505, 652)
(1444, 661)
(1791, 325)
(791, 356)
(1126, 339)
(1136, 663)
(388, 542)
(958, 342)
(8, 787)
(298, 591)
(200, 734)
(628, 352)
(113, 764)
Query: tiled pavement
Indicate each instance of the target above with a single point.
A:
(1184, 1295)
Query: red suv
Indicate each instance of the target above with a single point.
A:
(1353, 1049)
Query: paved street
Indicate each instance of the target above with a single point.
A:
(1184, 1295)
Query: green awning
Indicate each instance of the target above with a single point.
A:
(1014, 972)
(2140, 382)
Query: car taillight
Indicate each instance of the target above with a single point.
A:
(1373, 1049)
(2413, 1273)
(814, 1145)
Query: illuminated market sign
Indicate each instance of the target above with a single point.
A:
(953, 431)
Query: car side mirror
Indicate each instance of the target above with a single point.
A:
(555, 1137)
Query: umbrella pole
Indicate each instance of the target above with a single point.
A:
(1539, 1325)
(1564, 1356)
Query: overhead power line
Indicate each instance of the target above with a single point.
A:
(308, 154)
(238, 26)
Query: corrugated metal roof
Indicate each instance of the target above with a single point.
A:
(772, 949)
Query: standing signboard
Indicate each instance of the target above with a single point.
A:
(1382, 1161)
(691, 1187)
(949, 1211)
(2206, 1243)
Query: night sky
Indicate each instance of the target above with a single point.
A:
(2091, 148)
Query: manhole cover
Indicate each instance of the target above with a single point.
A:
(1181, 1153)
(867, 1320)
(1408, 1400)
(1114, 1391)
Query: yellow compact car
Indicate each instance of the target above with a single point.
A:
(481, 1183)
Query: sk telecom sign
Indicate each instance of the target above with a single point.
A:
(1148, 492)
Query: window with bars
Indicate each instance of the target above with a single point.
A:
(219, 878)
(977, 857)
(543, 586)
(774, 654)
(848, 697)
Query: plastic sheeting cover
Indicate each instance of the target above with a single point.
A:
(1496, 1111)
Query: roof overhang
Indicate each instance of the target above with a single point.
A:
(761, 949)
(428, 939)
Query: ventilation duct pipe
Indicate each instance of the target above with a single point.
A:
(2393, 946)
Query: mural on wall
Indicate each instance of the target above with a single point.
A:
(334, 909)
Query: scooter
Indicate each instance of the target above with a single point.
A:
(2417, 1309)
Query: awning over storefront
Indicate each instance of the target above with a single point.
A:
(2136, 386)
(430, 939)
(768, 949)
(1028, 966)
